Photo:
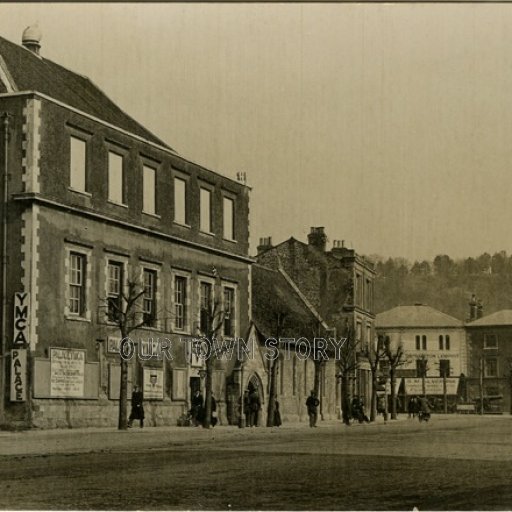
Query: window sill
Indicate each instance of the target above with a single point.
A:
(115, 203)
(182, 224)
(181, 333)
(149, 328)
(154, 215)
(81, 192)
(78, 318)
(207, 233)
(232, 240)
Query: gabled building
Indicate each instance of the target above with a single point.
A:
(280, 311)
(490, 360)
(93, 200)
(435, 352)
(338, 283)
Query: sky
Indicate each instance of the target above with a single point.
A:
(388, 124)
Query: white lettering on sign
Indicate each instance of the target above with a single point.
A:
(67, 372)
(433, 386)
(18, 375)
(21, 318)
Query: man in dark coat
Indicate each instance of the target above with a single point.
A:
(247, 408)
(197, 408)
(255, 406)
(137, 412)
(312, 404)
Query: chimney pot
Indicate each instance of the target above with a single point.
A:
(31, 38)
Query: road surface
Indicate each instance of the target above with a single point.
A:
(452, 463)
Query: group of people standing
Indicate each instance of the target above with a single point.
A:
(418, 405)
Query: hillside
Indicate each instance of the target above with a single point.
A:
(445, 284)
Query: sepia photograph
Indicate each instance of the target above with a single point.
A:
(256, 256)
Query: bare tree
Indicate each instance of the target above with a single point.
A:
(127, 313)
(375, 353)
(212, 318)
(395, 357)
(347, 363)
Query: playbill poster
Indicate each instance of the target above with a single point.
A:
(67, 372)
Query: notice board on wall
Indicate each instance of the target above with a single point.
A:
(42, 380)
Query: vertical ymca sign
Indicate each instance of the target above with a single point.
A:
(21, 318)
(18, 375)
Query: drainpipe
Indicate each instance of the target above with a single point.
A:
(4, 268)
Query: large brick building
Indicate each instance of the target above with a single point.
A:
(339, 285)
(94, 200)
(490, 360)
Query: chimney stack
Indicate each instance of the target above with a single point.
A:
(317, 238)
(31, 39)
(479, 309)
(265, 243)
(339, 250)
(473, 308)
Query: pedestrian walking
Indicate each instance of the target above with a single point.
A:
(197, 408)
(137, 412)
(277, 415)
(255, 406)
(412, 407)
(312, 404)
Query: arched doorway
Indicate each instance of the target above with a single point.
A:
(256, 384)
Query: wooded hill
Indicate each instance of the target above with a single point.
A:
(445, 284)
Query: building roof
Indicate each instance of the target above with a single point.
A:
(272, 294)
(503, 317)
(415, 316)
(31, 72)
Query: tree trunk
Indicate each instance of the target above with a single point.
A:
(345, 399)
(123, 396)
(375, 382)
(272, 394)
(393, 394)
(207, 420)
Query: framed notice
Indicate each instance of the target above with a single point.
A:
(153, 384)
(67, 372)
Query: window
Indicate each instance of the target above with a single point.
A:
(359, 331)
(229, 219)
(421, 368)
(444, 367)
(205, 211)
(491, 367)
(115, 178)
(441, 344)
(418, 344)
(77, 164)
(114, 290)
(180, 201)
(149, 298)
(447, 342)
(206, 303)
(149, 190)
(229, 311)
(490, 341)
(424, 342)
(77, 266)
(180, 303)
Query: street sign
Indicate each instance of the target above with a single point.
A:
(18, 375)
(21, 318)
